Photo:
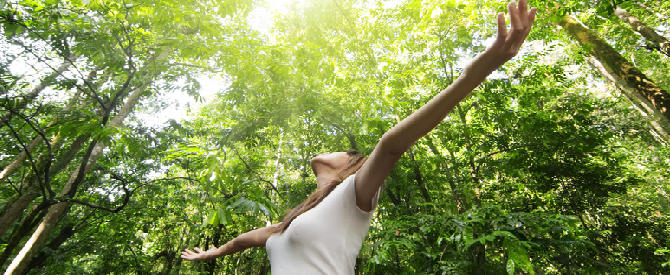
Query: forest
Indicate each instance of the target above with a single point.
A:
(134, 129)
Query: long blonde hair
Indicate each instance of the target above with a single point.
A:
(356, 160)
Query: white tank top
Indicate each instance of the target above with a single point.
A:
(325, 239)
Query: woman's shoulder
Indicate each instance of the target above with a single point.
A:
(348, 192)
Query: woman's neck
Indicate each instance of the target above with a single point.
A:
(325, 178)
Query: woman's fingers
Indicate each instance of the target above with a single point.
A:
(520, 16)
(531, 16)
(502, 29)
(186, 254)
(522, 19)
(191, 255)
(513, 14)
(509, 41)
(523, 10)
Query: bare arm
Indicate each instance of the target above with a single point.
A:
(399, 138)
(253, 238)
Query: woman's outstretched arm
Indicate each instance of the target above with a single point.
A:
(399, 138)
(253, 238)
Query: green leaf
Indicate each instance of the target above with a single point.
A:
(518, 254)
(214, 218)
(510, 266)
(223, 217)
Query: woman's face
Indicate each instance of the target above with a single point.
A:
(333, 162)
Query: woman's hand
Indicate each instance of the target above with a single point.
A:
(199, 255)
(253, 238)
(507, 43)
(399, 138)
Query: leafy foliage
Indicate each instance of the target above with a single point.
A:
(543, 169)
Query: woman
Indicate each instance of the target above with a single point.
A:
(324, 234)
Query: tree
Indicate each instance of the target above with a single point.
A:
(546, 168)
(655, 99)
(659, 42)
(141, 59)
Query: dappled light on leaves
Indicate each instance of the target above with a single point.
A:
(554, 165)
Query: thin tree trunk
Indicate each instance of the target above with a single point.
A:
(456, 194)
(23, 230)
(56, 212)
(478, 250)
(275, 177)
(13, 209)
(631, 77)
(419, 177)
(471, 158)
(14, 165)
(175, 258)
(352, 141)
(660, 43)
(392, 196)
(65, 233)
(657, 122)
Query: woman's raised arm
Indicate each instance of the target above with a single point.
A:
(399, 138)
(253, 238)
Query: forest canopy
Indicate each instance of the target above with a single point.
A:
(557, 164)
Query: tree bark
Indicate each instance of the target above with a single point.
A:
(660, 43)
(660, 125)
(65, 233)
(56, 212)
(450, 177)
(657, 98)
(15, 207)
(419, 177)
(23, 230)
(16, 163)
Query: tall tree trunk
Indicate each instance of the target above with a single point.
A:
(65, 233)
(659, 124)
(450, 177)
(471, 156)
(23, 230)
(15, 207)
(56, 212)
(631, 77)
(659, 42)
(16, 163)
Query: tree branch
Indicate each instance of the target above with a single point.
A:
(28, 155)
(255, 173)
